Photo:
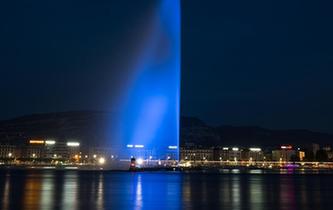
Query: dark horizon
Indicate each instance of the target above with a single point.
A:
(265, 64)
(182, 117)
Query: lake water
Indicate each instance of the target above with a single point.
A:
(78, 190)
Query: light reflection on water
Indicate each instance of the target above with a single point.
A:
(75, 190)
(138, 194)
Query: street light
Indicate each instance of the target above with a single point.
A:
(101, 160)
(140, 161)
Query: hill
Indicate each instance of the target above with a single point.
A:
(91, 128)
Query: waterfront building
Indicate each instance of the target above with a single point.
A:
(34, 152)
(50, 146)
(301, 155)
(35, 148)
(73, 150)
(227, 153)
(285, 153)
(253, 154)
(197, 154)
(59, 151)
(8, 151)
(96, 152)
(315, 148)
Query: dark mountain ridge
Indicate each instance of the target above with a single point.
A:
(90, 128)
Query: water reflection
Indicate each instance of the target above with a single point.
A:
(256, 192)
(74, 190)
(32, 192)
(100, 188)
(69, 199)
(5, 193)
(138, 194)
(47, 191)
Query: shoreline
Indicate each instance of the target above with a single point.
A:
(201, 170)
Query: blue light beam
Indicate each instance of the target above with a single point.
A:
(150, 105)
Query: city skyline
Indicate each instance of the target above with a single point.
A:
(166, 104)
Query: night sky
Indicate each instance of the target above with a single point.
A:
(266, 63)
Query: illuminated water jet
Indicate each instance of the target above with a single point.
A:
(148, 121)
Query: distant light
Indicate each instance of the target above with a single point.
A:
(36, 142)
(10, 154)
(255, 149)
(301, 155)
(34, 155)
(139, 161)
(101, 160)
(86, 156)
(150, 157)
(139, 146)
(55, 155)
(130, 145)
(187, 164)
(235, 149)
(225, 148)
(95, 156)
(173, 147)
(286, 147)
(73, 144)
(50, 142)
(169, 157)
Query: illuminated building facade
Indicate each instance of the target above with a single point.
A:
(8, 151)
(285, 153)
(147, 121)
(196, 154)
